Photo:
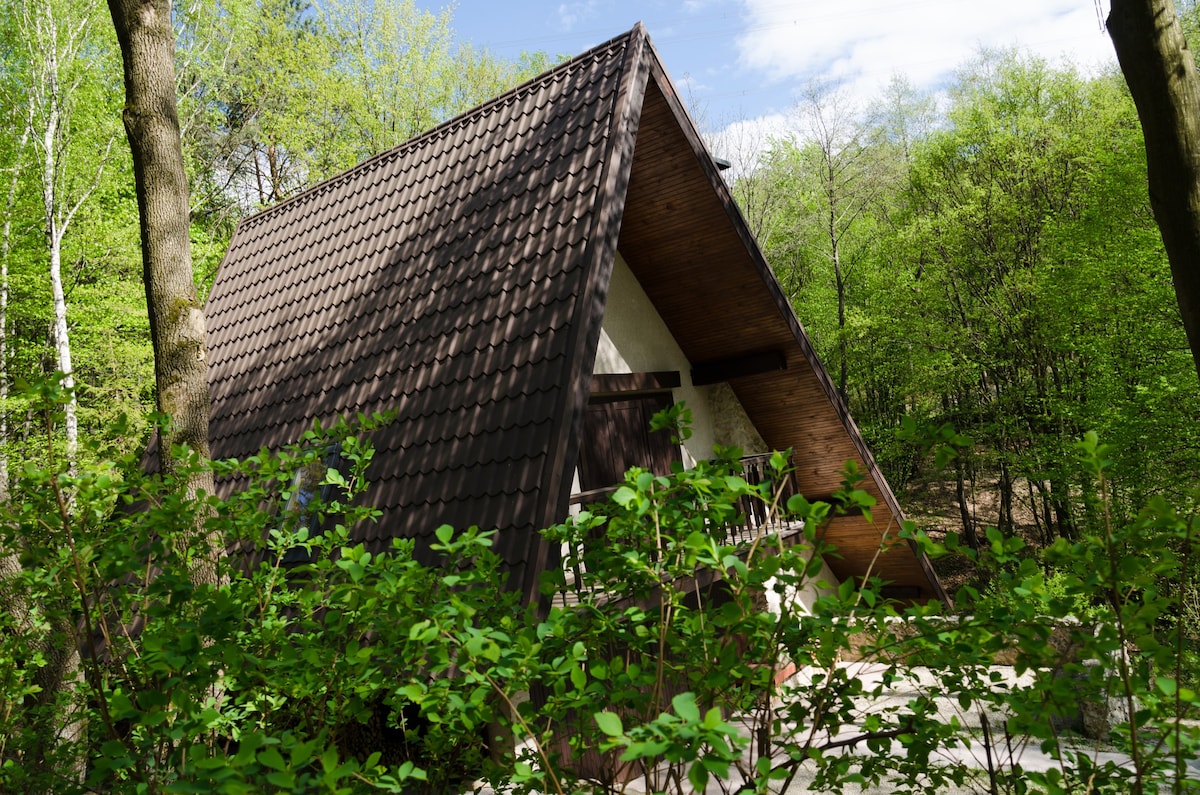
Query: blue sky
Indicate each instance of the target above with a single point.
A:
(745, 62)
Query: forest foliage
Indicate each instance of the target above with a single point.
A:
(312, 665)
(990, 262)
(980, 264)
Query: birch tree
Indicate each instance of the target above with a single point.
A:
(61, 58)
(60, 90)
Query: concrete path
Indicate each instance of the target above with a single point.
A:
(973, 754)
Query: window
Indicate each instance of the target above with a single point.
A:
(304, 509)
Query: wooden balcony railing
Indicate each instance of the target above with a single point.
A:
(758, 518)
(755, 518)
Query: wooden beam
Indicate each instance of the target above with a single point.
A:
(623, 383)
(738, 367)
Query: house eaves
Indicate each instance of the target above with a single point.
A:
(692, 251)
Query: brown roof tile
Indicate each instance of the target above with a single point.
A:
(438, 280)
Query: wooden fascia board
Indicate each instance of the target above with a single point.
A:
(784, 306)
(584, 333)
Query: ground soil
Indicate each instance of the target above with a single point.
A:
(933, 505)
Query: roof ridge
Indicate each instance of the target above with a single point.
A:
(449, 125)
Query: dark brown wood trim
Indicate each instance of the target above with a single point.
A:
(584, 331)
(738, 367)
(605, 384)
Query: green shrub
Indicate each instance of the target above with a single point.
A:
(309, 665)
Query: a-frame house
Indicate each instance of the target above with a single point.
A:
(522, 285)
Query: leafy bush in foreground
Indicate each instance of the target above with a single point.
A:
(308, 665)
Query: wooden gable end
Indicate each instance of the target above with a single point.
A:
(692, 252)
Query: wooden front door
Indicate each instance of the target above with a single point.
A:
(617, 436)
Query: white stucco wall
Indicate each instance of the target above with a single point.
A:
(634, 339)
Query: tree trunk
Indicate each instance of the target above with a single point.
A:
(5, 250)
(1041, 528)
(177, 325)
(839, 280)
(840, 283)
(62, 348)
(152, 125)
(964, 510)
(1165, 86)
(1004, 520)
(52, 101)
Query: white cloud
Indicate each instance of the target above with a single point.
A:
(786, 45)
(864, 44)
(570, 14)
(741, 142)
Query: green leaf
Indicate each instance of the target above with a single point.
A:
(798, 505)
(417, 629)
(685, 707)
(623, 496)
(409, 770)
(610, 724)
(283, 779)
(329, 760)
(271, 757)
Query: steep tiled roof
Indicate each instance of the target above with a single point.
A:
(460, 280)
(441, 279)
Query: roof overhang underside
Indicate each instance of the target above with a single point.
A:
(688, 246)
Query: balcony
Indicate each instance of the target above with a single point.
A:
(754, 520)
(758, 518)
